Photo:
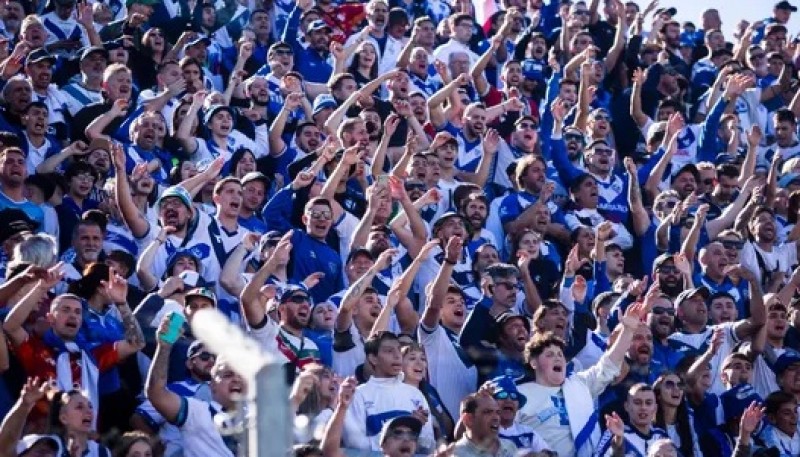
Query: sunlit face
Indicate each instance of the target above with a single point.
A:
(88, 243)
(254, 193)
(785, 419)
(318, 220)
(246, 165)
(777, 324)
(415, 366)
(388, 362)
(323, 316)
(737, 372)
(66, 318)
(550, 367)
(671, 391)
(530, 243)
(227, 386)
(641, 408)
(641, 350)
(119, 86)
(77, 415)
(723, 309)
(140, 449)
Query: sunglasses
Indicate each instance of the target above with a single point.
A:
(574, 137)
(415, 186)
(503, 395)
(666, 205)
(674, 385)
(404, 435)
(324, 215)
(730, 244)
(603, 151)
(205, 356)
(527, 125)
(601, 117)
(659, 310)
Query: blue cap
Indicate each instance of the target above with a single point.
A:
(786, 360)
(214, 109)
(177, 192)
(533, 69)
(737, 399)
(788, 178)
(505, 388)
(322, 102)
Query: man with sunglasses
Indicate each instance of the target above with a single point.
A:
(199, 363)
(661, 320)
(508, 398)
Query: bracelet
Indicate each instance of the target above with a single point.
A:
(448, 261)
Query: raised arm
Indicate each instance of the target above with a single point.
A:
(360, 236)
(134, 219)
(637, 114)
(334, 429)
(436, 101)
(630, 322)
(345, 317)
(490, 143)
(13, 325)
(51, 164)
(276, 144)
(745, 328)
(585, 94)
(436, 299)
(749, 165)
(144, 266)
(250, 299)
(13, 426)
(389, 127)
(231, 276)
(619, 37)
(96, 127)
(728, 217)
(184, 132)
(689, 245)
(165, 401)
(640, 218)
(478, 70)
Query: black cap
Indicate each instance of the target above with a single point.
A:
(409, 421)
(359, 252)
(671, 11)
(784, 5)
(39, 55)
(690, 293)
(15, 221)
(89, 50)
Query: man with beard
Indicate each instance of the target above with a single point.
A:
(36, 143)
(307, 139)
(13, 14)
(599, 163)
(786, 143)
(39, 70)
(669, 277)
(450, 368)
(117, 85)
(472, 140)
(475, 209)
(661, 321)
(770, 263)
(480, 414)
(87, 89)
(695, 336)
(684, 182)
(199, 363)
(670, 35)
(518, 210)
(493, 320)
(13, 173)
(255, 186)
(312, 61)
(713, 274)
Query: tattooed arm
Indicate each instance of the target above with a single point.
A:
(134, 337)
(166, 402)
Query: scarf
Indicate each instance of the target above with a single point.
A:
(89, 371)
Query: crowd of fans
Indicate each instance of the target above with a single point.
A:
(525, 227)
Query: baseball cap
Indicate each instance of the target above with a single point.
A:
(359, 252)
(28, 441)
(291, 290)
(784, 5)
(89, 50)
(269, 240)
(255, 176)
(125, 258)
(690, 293)
(195, 349)
(15, 221)
(39, 55)
(736, 399)
(785, 360)
(507, 317)
(533, 70)
(439, 222)
(203, 292)
(322, 102)
(319, 24)
(409, 421)
(177, 192)
(505, 388)
(199, 39)
(214, 109)
(672, 11)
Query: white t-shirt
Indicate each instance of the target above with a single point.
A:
(698, 342)
(201, 437)
(450, 369)
(782, 258)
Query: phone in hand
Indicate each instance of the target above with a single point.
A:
(176, 321)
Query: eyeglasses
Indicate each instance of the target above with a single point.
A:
(659, 310)
(205, 356)
(507, 285)
(670, 384)
(324, 215)
(84, 177)
(731, 244)
(403, 435)
(574, 137)
(298, 299)
(603, 151)
(667, 269)
(503, 395)
(527, 125)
